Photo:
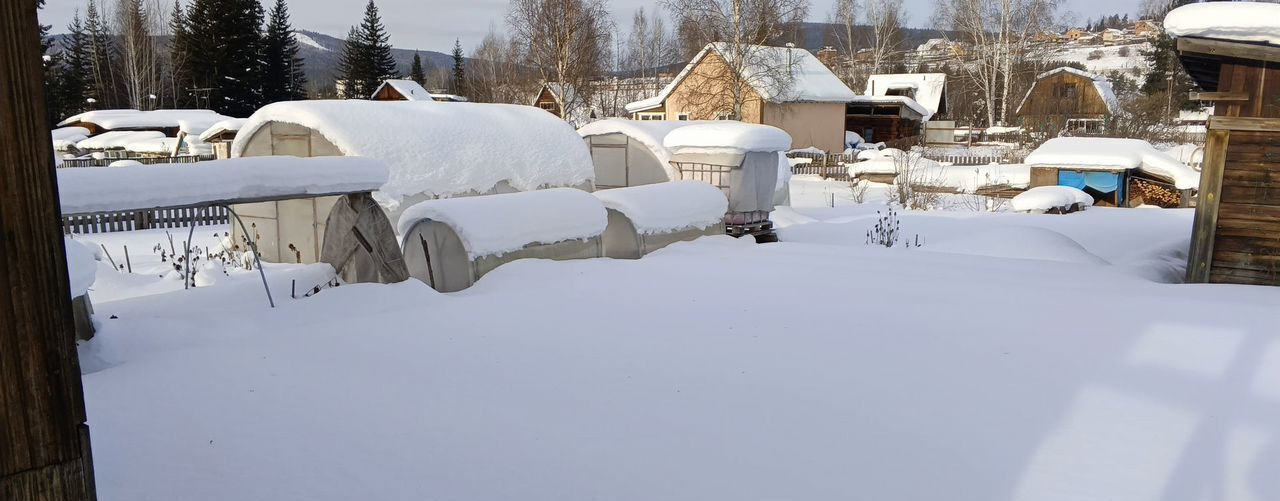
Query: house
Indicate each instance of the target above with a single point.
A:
(1231, 54)
(785, 87)
(1111, 36)
(829, 57)
(556, 97)
(409, 90)
(1116, 172)
(1075, 34)
(894, 106)
(1146, 28)
(1068, 99)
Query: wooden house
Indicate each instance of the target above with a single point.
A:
(894, 107)
(1067, 99)
(1075, 34)
(784, 87)
(1116, 172)
(1236, 233)
(409, 90)
(1146, 28)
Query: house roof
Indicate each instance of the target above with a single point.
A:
(219, 129)
(1113, 154)
(903, 100)
(1100, 83)
(411, 90)
(1235, 21)
(134, 119)
(930, 89)
(807, 81)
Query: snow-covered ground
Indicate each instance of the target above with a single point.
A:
(1132, 64)
(1010, 356)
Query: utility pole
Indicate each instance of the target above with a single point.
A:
(44, 442)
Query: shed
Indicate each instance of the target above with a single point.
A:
(646, 218)
(1116, 172)
(432, 150)
(1068, 99)
(221, 134)
(895, 119)
(450, 243)
(1232, 50)
(929, 90)
(166, 121)
(746, 161)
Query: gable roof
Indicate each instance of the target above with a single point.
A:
(808, 81)
(930, 89)
(1100, 84)
(409, 89)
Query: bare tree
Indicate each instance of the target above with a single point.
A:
(997, 33)
(567, 41)
(649, 47)
(139, 60)
(844, 20)
(885, 18)
(495, 74)
(741, 64)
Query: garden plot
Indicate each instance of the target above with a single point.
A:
(1010, 356)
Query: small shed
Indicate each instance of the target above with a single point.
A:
(746, 161)
(1068, 99)
(450, 243)
(894, 119)
(432, 150)
(409, 90)
(1232, 50)
(643, 219)
(220, 135)
(1116, 172)
(929, 90)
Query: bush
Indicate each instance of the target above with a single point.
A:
(1095, 54)
(1124, 51)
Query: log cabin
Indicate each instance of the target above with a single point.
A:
(1068, 99)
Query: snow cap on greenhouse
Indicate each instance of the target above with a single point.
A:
(727, 136)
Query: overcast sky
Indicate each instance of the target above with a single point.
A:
(434, 24)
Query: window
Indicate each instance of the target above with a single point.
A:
(682, 116)
(901, 91)
(724, 115)
(549, 106)
(1065, 90)
(651, 116)
(1086, 125)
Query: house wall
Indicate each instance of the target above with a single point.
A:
(705, 92)
(388, 93)
(884, 127)
(818, 125)
(1044, 109)
(547, 101)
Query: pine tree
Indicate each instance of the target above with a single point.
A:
(179, 57)
(283, 79)
(416, 72)
(459, 69)
(102, 60)
(54, 94)
(224, 46)
(366, 56)
(75, 74)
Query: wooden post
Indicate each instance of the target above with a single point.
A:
(44, 442)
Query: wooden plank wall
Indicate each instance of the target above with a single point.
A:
(107, 222)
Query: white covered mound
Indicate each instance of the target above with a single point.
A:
(650, 133)
(497, 224)
(134, 119)
(118, 139)
(1043, 198)
(230, 124)
(442, 149)
(726, 136)
(82, 266)
(1019, 242)
(173, 185)
(1108, 153)
(1240, 21)
(668, 207)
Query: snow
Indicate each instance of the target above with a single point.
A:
(305, 39)
(82, 266)
(134, 119)
(118, 139)
(153, 145)
(228, 125)
(928, 89)
(409, 89)
(726, 136)
(1043, 198)
(1100, 84)
(998, 361)
(442, 150)
(650, 133)
(196, 125)
(668, 207)
(497, 224)
(69, 133)
(852, 139)
(1113, 154)
(1187, 153)
(927, 172)
(806, 78)
(1237, 21)
(172, 185)
(125, 163)
(1133, 64)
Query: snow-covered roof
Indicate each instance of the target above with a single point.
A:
(224, 126)
(154, 119)
(174, 185)
(441, 96)
(1237, 21)
(765, 69)
(409, 89)
(929, 88)
(442, 149)
(726, 136)
(666, 207)
(1109, 153)
(155, 145)
(903, 100)
(497, 224)
(1100, 83)
(69, 133)
(118, 139)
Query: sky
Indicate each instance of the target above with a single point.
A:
(434, 24)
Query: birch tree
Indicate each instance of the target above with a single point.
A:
(139, 60)
(649, 47)
(844, 22)
(566, 41)
(885, 18)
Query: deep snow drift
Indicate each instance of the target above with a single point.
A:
(1010, 357)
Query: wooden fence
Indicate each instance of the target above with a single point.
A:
(104, 162)
(965, 160)
(107, 222)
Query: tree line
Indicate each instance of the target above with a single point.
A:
(226, 55)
